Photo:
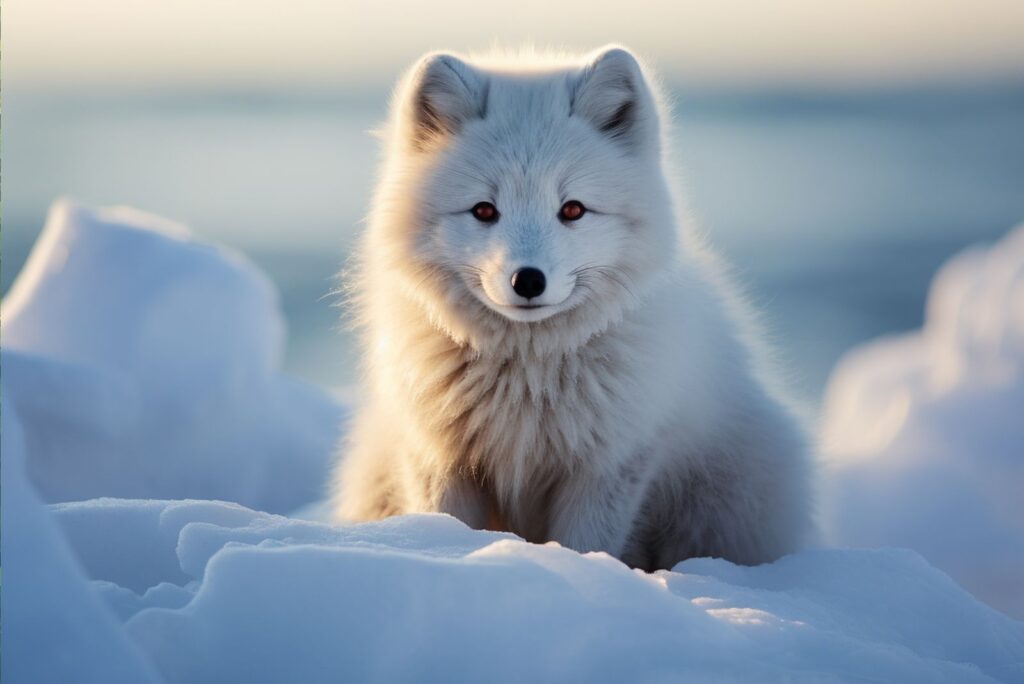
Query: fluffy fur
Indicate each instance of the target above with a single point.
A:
(622, 414)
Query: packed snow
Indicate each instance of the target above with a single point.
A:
(141, 363)
(924, 433)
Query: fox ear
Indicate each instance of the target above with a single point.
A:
(611, 93)
(445, 93)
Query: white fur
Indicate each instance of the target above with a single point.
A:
(623, 415)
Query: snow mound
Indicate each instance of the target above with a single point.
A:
(924, 432)
(55, 628)
(144, 364)
(215, 592)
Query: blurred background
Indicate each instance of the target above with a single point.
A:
(836, 152)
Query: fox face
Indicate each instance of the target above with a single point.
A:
(537, 192)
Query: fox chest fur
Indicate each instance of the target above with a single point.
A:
(515, 420)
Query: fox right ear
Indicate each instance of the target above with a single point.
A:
(612, 94)
(444, 94)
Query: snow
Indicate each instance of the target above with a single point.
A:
(141, 384)
(924, 433)
(54, 627)
(275, 599)
(144, 364)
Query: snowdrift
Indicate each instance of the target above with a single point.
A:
(924, 433)
(141, 364)
(144, 364)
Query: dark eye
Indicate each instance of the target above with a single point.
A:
(571, 210)
(484, 212)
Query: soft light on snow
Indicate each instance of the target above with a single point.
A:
(924, 433)
(422, 597)
(141, 363)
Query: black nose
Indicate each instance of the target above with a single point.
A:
(528, 282)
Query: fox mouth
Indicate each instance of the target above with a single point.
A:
(529, 313)
(521, 312)
(526, 313)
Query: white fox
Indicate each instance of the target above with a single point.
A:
(547, 349)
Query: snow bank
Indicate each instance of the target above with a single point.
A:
(424, 597)
(924, 432)
(55, 628)
(140, 363)
(144, 364)
(213, 592)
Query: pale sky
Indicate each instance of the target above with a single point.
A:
(259, 43)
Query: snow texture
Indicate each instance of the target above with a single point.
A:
(137, 589)
(424, 597)
(924, 433)
(144, 364)
(55, 628)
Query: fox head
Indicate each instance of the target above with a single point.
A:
(524, 195)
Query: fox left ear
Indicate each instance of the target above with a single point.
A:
(612, 94)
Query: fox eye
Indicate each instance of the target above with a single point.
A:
(571, 210)
(484, 212)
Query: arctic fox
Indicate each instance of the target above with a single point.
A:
(546, 349)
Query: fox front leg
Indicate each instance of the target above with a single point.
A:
(595, 511)
(457, 495)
